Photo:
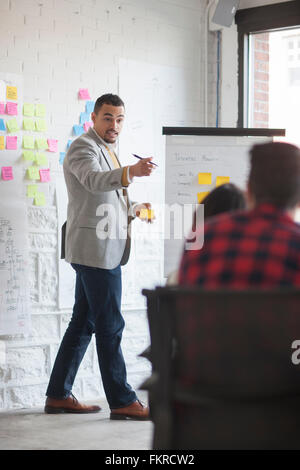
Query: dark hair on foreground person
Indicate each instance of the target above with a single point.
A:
(224, 198)
(108, 98)
(275, 174)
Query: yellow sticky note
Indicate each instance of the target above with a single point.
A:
(33, 173)
(201, 196)
(28, 109)
(28, 124)
(146, 214)
(39, 199)
(40, 110)
(28, 155)
(12, 125)
(32, 190)
(2, 142)
(11, 93)
(222, 180)
(40, 125)
(41, 159)
(28, 142)
(41, 144)
(204, 178)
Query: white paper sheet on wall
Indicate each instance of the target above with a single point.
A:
(14, 289)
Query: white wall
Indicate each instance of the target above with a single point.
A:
(59, 46)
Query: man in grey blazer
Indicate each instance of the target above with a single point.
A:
(97, 243)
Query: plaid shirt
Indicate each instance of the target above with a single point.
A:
(260, 247)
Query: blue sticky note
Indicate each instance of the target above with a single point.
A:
(69, 143)
(84, 117)
(78, 130)
(62, 157)
(2, 125)
(89, 107)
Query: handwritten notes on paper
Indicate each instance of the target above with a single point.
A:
(28, 124)
(11, 93)
(11, 142)
(12, 125)
(33, 173)
(28, 109)
(7, 173)
(41, 144)
(12, 108)
(45, 175)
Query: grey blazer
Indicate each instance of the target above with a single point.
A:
(97, 231)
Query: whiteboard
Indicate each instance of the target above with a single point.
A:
(189, 155)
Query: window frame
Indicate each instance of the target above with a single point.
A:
(253, 20)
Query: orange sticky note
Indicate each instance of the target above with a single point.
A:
(222, 180)
(2, 142)
(11, 93)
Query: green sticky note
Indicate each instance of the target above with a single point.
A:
(28, 124)
(32, 190)
(40, 125)
(28, 109)
(12, 125)
(39, 199)
(40, 110)
(28, 142)
(41, 144)
(28, 155)
(33, 173)
(41, 159)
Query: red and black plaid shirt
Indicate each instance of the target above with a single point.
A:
(260, 247)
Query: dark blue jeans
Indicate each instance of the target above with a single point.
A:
(97, 309)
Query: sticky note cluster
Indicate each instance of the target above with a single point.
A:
(31, 109)
(206, 179)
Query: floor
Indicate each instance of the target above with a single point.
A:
(32, 429)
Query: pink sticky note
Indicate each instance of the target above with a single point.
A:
(52, 145)
(87, 125)
(11, 108)
(84, 94)
(2, 108)
(45, 175)
(11, 142)
(7, 173)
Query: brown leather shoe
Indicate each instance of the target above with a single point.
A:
(68, 405)
(135, 411)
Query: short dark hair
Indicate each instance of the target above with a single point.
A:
(275, 174)
(108, 98)
(224, 198)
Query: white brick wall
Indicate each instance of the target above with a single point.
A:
(60, 46)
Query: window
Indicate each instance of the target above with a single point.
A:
(269, 67)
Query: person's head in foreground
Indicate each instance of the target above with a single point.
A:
(274, 175)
